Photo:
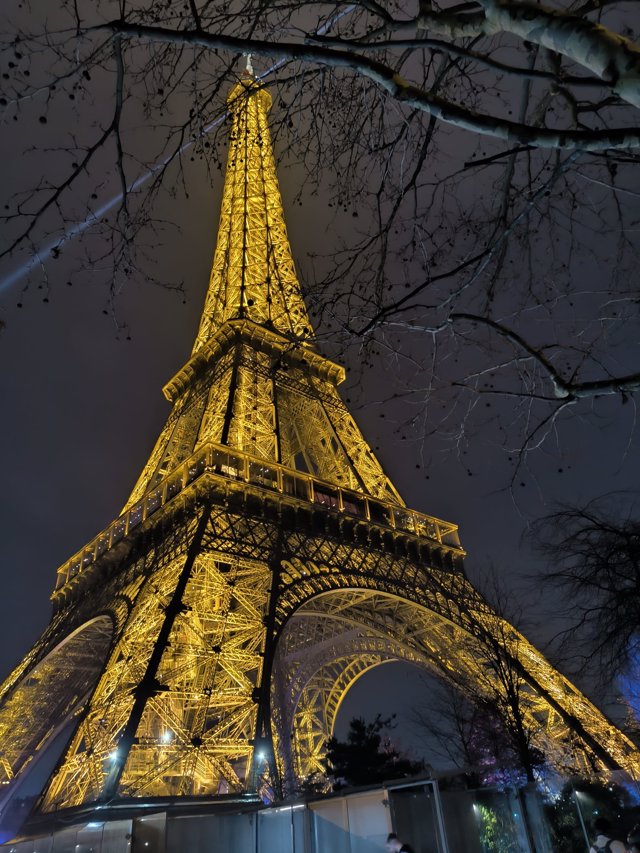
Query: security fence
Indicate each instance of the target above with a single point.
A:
(432, 818)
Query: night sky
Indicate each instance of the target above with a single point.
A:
(82, 406)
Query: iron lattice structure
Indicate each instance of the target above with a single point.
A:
(263, 563)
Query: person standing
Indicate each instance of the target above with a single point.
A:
(633, 840)
(394, 845)
(603, 842)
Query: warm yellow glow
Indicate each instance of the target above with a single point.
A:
(253, 274)
(262, 564)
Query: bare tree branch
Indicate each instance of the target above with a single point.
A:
(564, 389)
(394, 84)
(439, 148)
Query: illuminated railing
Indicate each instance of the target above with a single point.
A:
(241, 468)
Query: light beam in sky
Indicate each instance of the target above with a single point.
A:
(45, 252)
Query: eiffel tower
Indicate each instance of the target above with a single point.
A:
(204, 640)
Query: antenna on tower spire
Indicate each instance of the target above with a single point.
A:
(249, 66)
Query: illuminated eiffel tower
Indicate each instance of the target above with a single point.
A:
(203, 641)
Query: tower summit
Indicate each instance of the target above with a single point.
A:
(202, 643)
(253, 275)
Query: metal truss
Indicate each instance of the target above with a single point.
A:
(204, 641)
(253, 273)
(337, 637)
(262, 403)
(52, 693)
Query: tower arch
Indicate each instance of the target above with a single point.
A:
(335, 636)
(50, 694)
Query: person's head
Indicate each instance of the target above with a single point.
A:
(601, 826)
(633, 840)
(393, 842)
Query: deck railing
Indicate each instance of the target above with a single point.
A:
(242, 468)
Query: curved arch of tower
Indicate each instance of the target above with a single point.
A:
(263, 562)
(49, 694)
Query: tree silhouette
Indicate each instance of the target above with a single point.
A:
(366, 757)
(593, 558)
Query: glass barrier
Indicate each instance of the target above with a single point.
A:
(379, 512)
(427, 528)
(326, 496)
(135, 516)
(404, 520)
(263, 475)
(228, 464)
(173, 487)
(118, 530)
(353, 504)
(429, 816)
(209, 833)
(485, 820)
(153, 501)
(194, 469)
(416, 819)
(102, 542)
(280, 830)
(297, 487)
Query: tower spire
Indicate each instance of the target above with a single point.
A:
(253, 274)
